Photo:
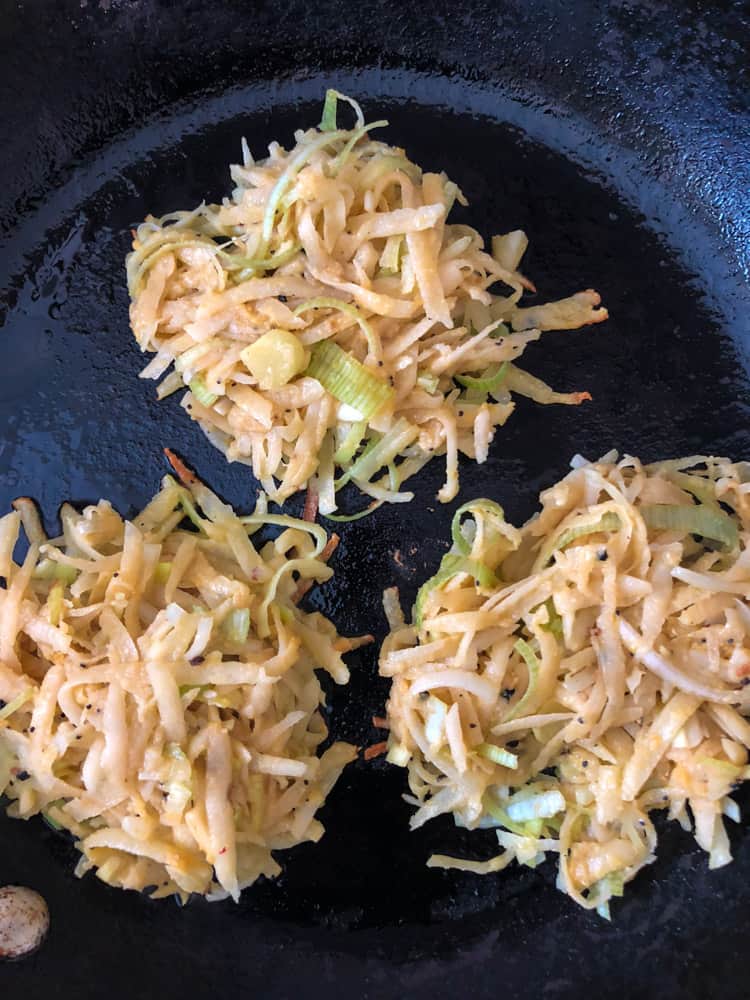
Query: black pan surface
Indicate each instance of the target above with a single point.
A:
(587, 128)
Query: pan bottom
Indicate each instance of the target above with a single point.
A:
(666, 378)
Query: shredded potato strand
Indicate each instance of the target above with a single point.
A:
(144, 711)
(340, 239)
(562, 681)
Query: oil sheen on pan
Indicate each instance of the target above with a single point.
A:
(668, 377)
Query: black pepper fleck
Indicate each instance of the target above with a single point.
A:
(23, 776)
(507, 693)
(584, 763)
(602, 556)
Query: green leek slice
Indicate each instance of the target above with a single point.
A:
(200, 390)
(328, 121)
(16, 703)
(451, 565)
(358, 515)
(532, 663)
(284, 182)
(48, 569)
(704, 490)
(237, 625)
(489, 507)
(542, 806)
(347, 379)
(490, 381)
(694, 520)
(380, 452)
(52, 823)
(323, 302)
(380, 165)
(351, 142)
(236, 262)
(162, 571)
(607, 522)
(348, 448)
(428, 382)
(555, 622)
(498, 755)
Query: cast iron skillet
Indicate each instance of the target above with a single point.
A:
(612, 133)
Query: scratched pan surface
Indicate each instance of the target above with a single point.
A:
(613, 136)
